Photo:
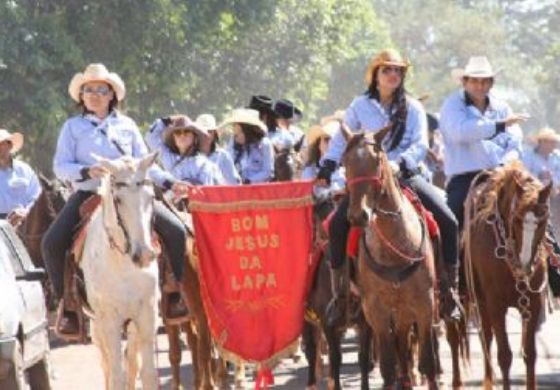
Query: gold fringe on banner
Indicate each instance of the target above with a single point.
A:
(196, 205)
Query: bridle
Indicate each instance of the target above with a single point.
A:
(112, 242)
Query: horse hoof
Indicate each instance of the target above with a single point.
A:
(330, 384)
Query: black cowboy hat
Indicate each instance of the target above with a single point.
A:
(284, 108)
(261, 103)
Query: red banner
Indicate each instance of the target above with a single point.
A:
(254, 245)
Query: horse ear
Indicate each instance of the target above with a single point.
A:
(544, 194)
(380, 134)
(147, 161)
(346, 132)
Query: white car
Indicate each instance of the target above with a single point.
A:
(24, 342)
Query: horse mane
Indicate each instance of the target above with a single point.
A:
(504, 180)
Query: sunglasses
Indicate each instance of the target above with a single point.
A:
(102, 90)
(392, 69)
(182, 132)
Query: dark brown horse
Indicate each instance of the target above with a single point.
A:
(316, 326)
(505, 260)
(396, 261)
(284, 165)
(40, 216)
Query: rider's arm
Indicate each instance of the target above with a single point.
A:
(267, 170)
(33, 189)
(227, 168)
(417, 127)
(154, 135)
(460, 124)
(65, 165)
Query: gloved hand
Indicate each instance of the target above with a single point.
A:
(326, 171)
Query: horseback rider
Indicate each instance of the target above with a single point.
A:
(263, 104)
(100, 130)
(211, 147)
(178, 140)
(318, 139)
(250, 149)
(386, 102)
(480, 132)
(543, 160)
(19, 186)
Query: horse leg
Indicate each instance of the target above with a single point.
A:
(364, 358)
(402, 333)
(388, 360)
(310, 349)
(453, 338)
(147, 332)
(486, 346)
(204, 356)
(504, 350)
(173, 337)
(104, 353)
(131, 354)
(335, 357)
(109, 333)
(530, 350)
(427, 364)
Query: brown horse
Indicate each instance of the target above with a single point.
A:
(40, 216)
(505, 259)
(396, 261)
(284, 165)
(316, 325)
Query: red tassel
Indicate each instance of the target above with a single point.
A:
(264, 379)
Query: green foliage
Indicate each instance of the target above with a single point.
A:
(180, 56)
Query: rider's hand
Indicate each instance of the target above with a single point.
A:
(181, 189)
(325, 172)
(17, 216)
(97, 171)
(513, 119)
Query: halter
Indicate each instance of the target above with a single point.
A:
(112, 242)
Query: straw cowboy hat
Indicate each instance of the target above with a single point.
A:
(15, 138)
(387, 57)
(545, 134)
(96, 72)
(327, 129)
(206, 122)
(477, 67)
(247, 116)
(182, 122)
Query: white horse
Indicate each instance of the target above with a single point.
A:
(121, 275)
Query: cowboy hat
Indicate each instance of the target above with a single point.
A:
(284, 108)
(328, 129)
(545, 134)
(206, 121)
(182, 122)
(247, 116)
(96, 72)
(261, 103)
(386, 57)
(15, 138)
(477, 67)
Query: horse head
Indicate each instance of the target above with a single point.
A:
(367, 173)
(128, 205)
(523, 206)
(284, 165)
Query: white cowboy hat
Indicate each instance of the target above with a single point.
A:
(15, 138)
(545, 134)
(96, 72)
(477, 67)
(247, 116)
(206, 121)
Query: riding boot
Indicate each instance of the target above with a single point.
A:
(336, 308)
(448, 283)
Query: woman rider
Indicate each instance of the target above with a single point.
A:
(100, 130)
(386, 102)
(250, 149)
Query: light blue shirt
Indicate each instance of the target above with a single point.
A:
(338, 181)
(468, 135)
(281, 139)
(226, 166)
(197, 169)
(538, 165)
(366, 114)
(256, 162)
(84, 136)
(19, 187)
